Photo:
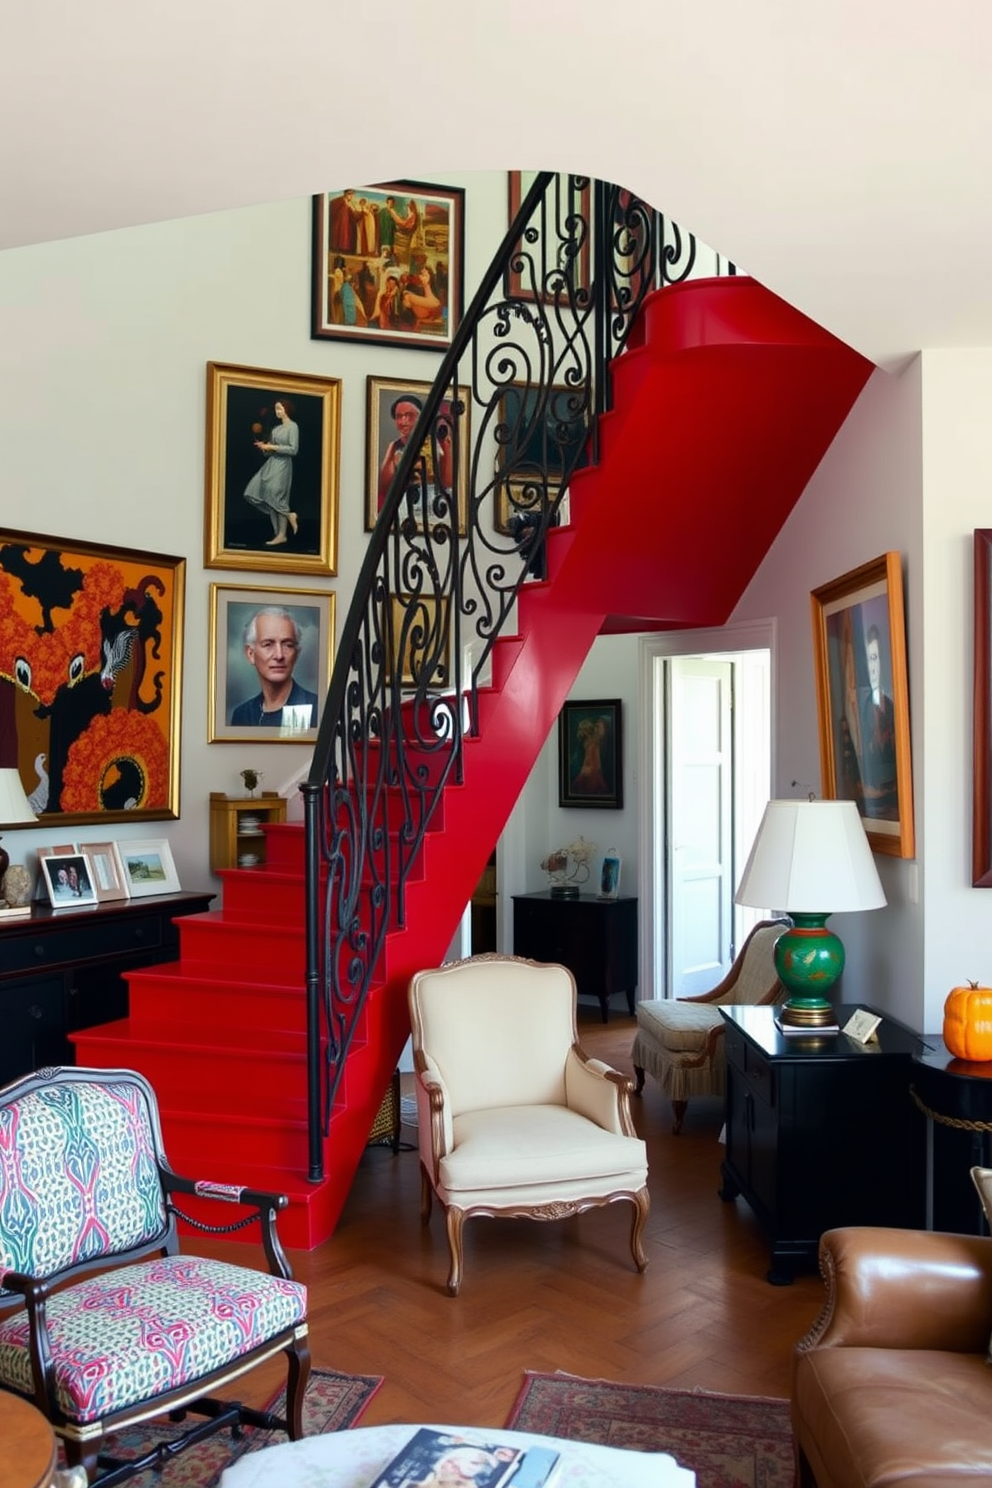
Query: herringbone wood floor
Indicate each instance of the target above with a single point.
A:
(549, 1296)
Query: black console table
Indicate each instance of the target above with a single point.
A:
(821, 1131)
(61, 970)
(595, 938)
(956, 1097)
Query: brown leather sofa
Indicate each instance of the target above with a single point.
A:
(892, 1385)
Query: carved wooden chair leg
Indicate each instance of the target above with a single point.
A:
(639, 1081)
(426, 1196)
(642, 1204)
(456, 1219)
(296, 1389)
(678, 1115)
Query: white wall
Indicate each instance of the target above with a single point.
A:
(865, 498)
(104, 343)
(957, 483)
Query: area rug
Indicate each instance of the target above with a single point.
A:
(333, 1403)
(729, 1441)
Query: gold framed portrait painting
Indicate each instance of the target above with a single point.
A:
(273, 461)
(859, 647)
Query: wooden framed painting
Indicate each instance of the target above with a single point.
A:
(535, 452)
(273, 461)
(539, 268)
(862, 696)
(393, 408)
(387, 264)
(90, 677)
(271, 652)
(590, 754)
(981, 831)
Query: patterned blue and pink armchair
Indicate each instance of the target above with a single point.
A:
(85, 1186)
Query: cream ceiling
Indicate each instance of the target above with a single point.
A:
(837, 150)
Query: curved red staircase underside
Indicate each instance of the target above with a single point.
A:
(722, 412)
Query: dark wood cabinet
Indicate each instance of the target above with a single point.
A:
(821, 1131)
(595, 938)
(62, 970)
(956, 1095)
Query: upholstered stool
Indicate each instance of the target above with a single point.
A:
(679, 1041)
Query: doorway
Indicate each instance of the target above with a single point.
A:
(706, 758)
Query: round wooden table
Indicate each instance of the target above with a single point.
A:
(28, 1456)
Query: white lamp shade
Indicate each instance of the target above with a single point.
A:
(14, 804)
(811, 857)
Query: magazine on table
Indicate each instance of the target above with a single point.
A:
(446, 1459)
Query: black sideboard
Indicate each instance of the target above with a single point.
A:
(821, 1131)
(595, 938)
(61, 970)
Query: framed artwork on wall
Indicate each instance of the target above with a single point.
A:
(273, 460)
(534, 451)
(393, 407)
(981, 800)
(90, 669)
(419, 636)
(530, 264)
(590, 754)
(270, 660)
(387, 264)
(862, 695)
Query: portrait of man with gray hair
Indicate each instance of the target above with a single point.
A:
(272, 641)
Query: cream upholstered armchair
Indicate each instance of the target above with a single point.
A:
(679, 1041)
(513, 1118)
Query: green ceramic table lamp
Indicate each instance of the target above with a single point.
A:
(810, 859)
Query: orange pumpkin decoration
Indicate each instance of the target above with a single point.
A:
(968, 1022)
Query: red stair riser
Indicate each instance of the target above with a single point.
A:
(204, 1078)
(194, 1002)
(278, 1144)
(252, 951)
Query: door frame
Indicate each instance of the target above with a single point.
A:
(748, 635)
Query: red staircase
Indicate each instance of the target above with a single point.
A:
(721, 414)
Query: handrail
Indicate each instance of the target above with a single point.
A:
(513, 412)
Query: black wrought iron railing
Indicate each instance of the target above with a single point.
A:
(512, 414)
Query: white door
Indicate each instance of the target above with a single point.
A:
(700, 823)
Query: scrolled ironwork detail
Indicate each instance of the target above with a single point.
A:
(439, 584)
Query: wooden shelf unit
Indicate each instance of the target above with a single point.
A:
(229, 840)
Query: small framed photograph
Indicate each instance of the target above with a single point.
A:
(273, 460)
(67, 879)
(394, 407)
(862, 698)
(106, 870)
(388, 264)
(270, 663)
(147, 867)
(560, 247)
(590, 754)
